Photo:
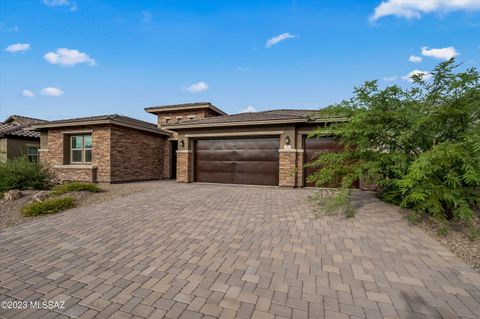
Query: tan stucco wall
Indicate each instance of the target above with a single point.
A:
(11, 148)
(3, 150)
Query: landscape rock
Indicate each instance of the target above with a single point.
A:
(12, 194)
(40, 196)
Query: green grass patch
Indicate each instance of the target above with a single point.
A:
(76, 186)
(49, 206)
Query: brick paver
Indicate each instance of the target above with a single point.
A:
(206, 251)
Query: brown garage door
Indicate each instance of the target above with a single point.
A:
(237, 161)
(313, 146)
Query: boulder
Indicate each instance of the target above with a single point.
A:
(40, 196)
(12, 194)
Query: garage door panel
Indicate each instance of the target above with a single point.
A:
(259, 167)
(213, 177)
(215, 166)
(257, 155)
(237, 161)
(255, 179)
(313, 147)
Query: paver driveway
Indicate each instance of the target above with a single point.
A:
(193, 251)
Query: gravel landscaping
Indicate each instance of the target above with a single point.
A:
(457, 242)
(10, 214)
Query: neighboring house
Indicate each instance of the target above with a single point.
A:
(16, 140)
(195, 142)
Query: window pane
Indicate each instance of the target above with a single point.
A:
(88, 141)
(77, 142)
(33, 158)
(88, 156)
(32, 150)
(76, 156)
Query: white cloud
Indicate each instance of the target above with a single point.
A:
(196, 87)
(440, 54)
(18, 47)
(61, 3)
(14, 29)
(425, 75)
(390, 78)
(68, 57)
(51, 91)
(410, 9)
(279, 38)
(415, 59)
(27, 93)
(249, 109)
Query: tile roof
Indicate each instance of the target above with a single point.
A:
(15, 125)
(184, 106)
(272, 115)
(22, 120)
(178, 105)
(109, 117)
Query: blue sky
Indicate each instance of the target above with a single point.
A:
(70, 58)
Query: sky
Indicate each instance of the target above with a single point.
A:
(71, 58)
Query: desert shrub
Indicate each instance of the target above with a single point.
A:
(21, 174)
(76, 186)
(419, 145)
(49, 206)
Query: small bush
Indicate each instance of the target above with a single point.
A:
(21, 174)
(76, 186)
(49, 206)
(442, 230)
(473, 232)
(412, 218)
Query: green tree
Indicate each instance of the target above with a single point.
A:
(420, 146)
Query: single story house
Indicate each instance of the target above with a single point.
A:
(194, 142)
(16, 140)
(107, 148)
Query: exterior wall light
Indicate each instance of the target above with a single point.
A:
(287, 140)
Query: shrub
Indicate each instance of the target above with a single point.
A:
(419, 145)
(21, 174)
(76, 186)
(49, 206)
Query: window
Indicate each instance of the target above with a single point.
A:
(32, 154)
(80, 149)
(179, 119)
(191, 117)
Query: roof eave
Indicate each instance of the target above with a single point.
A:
(97, 122)
(158, 109)
(249, 123)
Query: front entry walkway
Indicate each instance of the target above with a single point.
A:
(208, 251)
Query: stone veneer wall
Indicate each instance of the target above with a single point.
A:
(287, 167)
(53, 155)
(136, 155)
(184, 166)
(300, 169)
(167, 150)
(199, 114)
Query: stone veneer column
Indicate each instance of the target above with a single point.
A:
(287, 167)
(300, 170)
(184, 166)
